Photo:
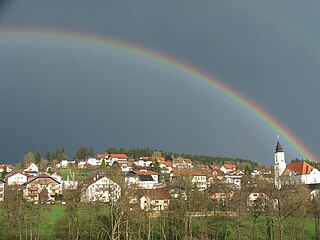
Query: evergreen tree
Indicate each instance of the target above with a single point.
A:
(37, 157)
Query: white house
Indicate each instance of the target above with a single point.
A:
(198, 178)
(228, 168)
(182, 163)
(126, 166)
(64, 163)
(16, 178)
(101, 189)
(31, 168)
(94, 161)
(234, 180)
(2, 183)
(8, 168)
(111, 158)
(166, 167)
(144, 161)
(300, 173)
(153, 199)
(143, 178)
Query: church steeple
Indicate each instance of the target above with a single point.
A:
(279, 164)
(279, 147)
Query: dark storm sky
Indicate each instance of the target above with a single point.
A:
(62, 96)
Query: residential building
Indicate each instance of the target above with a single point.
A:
(41, 186)
(228, 168)
(153, 199)
(182, 163)
(198, 178)
(101, 189)
(17, 178)
(300, 172)
(8, 167)
(31, 168)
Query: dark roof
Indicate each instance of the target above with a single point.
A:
(146, 178)
(159, 193)
(39, 177)
(279, 147)
(2, 181)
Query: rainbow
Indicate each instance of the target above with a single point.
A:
(27, 35)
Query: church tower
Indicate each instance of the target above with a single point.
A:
(279, 164)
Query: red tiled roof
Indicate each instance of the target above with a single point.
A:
(102, 155)
(200, 165)
(7, 165)
(229, 166)
(215, 166)
(29, 164)
(128, 163)
(113, 155)
(300, 167)
(146, 172)
(168, 164)
(118, 155)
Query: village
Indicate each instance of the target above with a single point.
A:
(154, 179)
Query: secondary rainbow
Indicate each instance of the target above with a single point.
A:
(242, 101)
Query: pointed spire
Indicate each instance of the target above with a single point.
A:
(278, 146)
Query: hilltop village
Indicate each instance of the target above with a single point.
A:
(154, 179)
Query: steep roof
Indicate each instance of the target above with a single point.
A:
(155, 194)
(168, 164)
(279, 147)
(229, 166)
(40, 176)
(300, 167)
(29, 164)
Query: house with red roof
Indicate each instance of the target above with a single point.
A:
(111, 158)
(8, 167)
(144, 161)
(166, 167)
(31, 168)
(300, 173)
(199, 178)
(126, 166)
(228, 168)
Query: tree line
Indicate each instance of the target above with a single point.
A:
(220, 212)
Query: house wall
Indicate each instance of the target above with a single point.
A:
(17, 179)
(103, 190)
(313, 177)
